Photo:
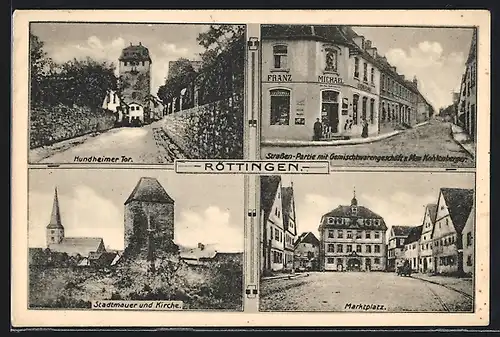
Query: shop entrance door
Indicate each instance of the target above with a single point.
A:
(330, 111)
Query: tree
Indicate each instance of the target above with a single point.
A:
(219, 38)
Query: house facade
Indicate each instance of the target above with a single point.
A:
(468, 242)
(426, 264)
(352, 238)
(278, 225)
(453, 210)
(467, 106)
(395, 246)
(412, 247)
(313, 72)
(306, 252)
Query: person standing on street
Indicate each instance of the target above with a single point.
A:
(364, 124)
(318, 128)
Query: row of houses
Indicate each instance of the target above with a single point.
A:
(444, 242)
(333, 74)
(466, 100)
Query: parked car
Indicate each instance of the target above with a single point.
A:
(405, 269)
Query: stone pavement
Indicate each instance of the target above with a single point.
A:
(463, 285)
(352, 141)
(463, 139)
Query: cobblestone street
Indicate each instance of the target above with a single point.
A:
(337, 291)
(144, 145)
(432, 139)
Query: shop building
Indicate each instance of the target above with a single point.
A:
(426, 264)
(313, 72)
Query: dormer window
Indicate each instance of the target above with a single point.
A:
(331, 60)
(280, 53)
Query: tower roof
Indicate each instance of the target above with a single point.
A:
(149, 189)
(55, 217)
(135, 53)
(354, 201)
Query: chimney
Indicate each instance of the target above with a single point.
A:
(130, 44)
(360, 41)
(368, 44)
(373, 52)
(394, 69)
(201, 246)
(140, 43)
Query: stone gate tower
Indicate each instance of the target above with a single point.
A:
(135, 74)
(149, 220)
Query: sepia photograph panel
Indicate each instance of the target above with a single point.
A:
(135, 93)
(368, 242)
(369, 95)
(125, 235)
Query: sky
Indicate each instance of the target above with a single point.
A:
(398, 197)
(208, 209)
(104, 42)
(435, 55)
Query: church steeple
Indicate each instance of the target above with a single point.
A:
(55, 229)
(354, 203)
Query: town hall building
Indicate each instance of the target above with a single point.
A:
(352, 237)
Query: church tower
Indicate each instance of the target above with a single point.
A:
(55, 229)
(135, 74)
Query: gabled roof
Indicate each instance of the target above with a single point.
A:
(287, 204)
(414, 234)
(307, 237)
(135, 53)
(268, 189)
(401, 230)
(55, 216)
(72, 246)
(459, 202)
(149, 189)
(432, 209)
(343, 211)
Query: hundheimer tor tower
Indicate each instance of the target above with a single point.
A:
(135, 74)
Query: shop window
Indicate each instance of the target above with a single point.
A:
(280, 106)
(331, 60)
(372, 75)
(356, 67)
(365, 72)
(372, 111)
(355, 100)
(280, 53)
